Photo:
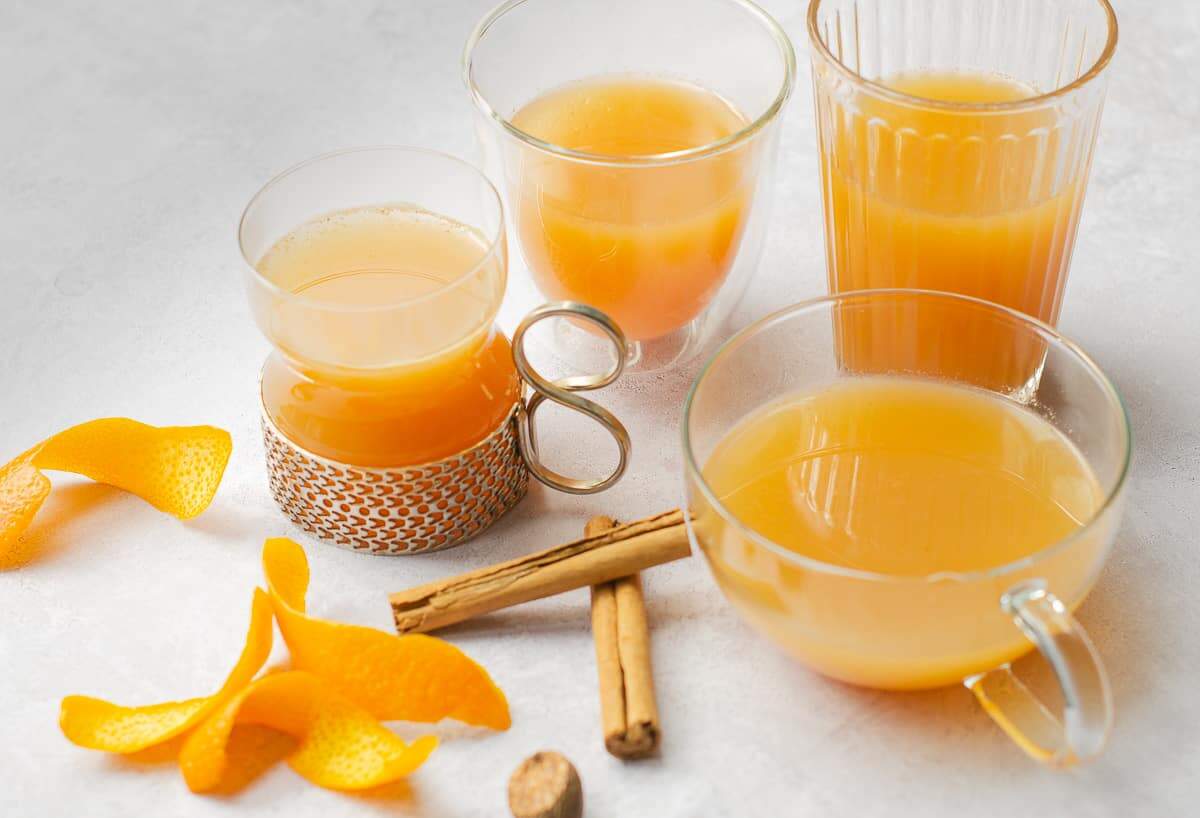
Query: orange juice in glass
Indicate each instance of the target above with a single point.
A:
(651, 246)
(636, 175)
(955, 150)
(913, 528)
(381, 310)
(906, 477)
(390, 414)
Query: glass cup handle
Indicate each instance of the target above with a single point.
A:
(1087, 702)
(562, 392)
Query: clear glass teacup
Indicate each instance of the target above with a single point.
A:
(858, 611)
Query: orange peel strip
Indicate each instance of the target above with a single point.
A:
(409, 678)
(100, 725)
(23, 489)
(342, 746)
(176, 469)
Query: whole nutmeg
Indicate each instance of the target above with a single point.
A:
(545, 785)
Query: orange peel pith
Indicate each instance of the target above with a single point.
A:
(176, 469)
(100, 725)
(410, 678)
(341, 745)
(23, 489)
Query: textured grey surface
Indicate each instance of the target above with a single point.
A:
(133, 134)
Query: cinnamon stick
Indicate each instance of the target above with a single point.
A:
(615, 553)
(628, 711)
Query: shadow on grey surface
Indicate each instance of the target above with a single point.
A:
(50, 533)
(230, 523)
(925, 727)
(399, 797)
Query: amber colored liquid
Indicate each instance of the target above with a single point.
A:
(648, 245)
(905, 477)
(961, 201)
(374, 386)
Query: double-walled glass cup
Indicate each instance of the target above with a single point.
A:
(663, 242)
(393, 410)
(955, 143)
(905, 632)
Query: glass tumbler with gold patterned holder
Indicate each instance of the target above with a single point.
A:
(393, 409)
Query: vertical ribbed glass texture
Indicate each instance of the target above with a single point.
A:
(976, 192)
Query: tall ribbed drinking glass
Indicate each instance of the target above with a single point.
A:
(956, 138)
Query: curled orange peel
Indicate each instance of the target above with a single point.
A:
(347, 678)
(176, 469)
(100, 725)
(341, 745)
(410, 678)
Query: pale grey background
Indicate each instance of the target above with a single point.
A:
(131, 136)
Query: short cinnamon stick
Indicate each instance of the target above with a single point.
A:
(619, 552)
(628, 711)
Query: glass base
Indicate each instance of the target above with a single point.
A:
(574, 349)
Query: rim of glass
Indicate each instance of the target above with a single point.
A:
(494, 241)
(878, 88)
(814, 304)
(782, 41)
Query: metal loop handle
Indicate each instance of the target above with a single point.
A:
(562, 391)
(1087, 717)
